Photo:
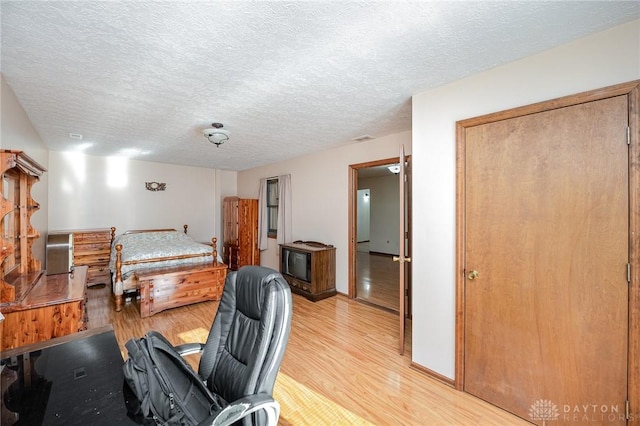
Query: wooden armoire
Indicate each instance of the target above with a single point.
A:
(240, 217)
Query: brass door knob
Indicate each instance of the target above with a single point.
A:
(473, 275)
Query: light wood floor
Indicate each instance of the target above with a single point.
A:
(377, 280)
(341, 366)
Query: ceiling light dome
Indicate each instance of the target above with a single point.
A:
(217, 135)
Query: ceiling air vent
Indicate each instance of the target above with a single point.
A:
(363, 138)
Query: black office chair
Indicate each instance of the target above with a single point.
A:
(244, 349)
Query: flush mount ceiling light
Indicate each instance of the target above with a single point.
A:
(217, 135)
(394, 168)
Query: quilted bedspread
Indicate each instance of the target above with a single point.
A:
(150, 245)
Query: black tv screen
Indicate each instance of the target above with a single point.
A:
(296, 264)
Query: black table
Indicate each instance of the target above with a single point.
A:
(71, 380)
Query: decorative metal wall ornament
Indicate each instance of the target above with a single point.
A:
(155, 186)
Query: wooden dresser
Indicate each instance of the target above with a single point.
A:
(91, 248)
(240, 217)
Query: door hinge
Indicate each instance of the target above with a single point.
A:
(628, 135)
(627, 410)
(628, 272)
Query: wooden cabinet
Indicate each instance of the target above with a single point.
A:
(310, 268)
(53, 307)
(240, 217)
(91, 248)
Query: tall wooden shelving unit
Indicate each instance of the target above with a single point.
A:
(240, 246)
(35, 306)
(19, 173)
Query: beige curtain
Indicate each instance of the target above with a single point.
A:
(263, 220)
(284, 210)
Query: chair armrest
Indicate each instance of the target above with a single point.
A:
(244, 406)
(189, 348)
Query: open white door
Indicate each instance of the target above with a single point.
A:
(402, 258)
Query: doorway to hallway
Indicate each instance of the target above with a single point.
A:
(374, 229)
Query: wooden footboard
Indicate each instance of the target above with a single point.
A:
(167, 288)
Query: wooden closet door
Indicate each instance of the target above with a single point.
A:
(248, 232)
(230, 218)
(546, 252)
(240, 232)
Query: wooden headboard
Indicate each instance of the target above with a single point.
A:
(138, 231)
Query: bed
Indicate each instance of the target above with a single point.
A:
(166, 267)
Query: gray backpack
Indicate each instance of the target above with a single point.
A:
(155, 374)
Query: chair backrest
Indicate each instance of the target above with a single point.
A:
(249, 335)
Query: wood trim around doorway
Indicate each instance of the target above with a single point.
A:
(353, 211)
(632, 90)
(634, 250)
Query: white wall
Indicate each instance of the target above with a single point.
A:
(384, 234)
(100, 192)
(320, 192)
(604, 59)
(364, 215)
(17, 133)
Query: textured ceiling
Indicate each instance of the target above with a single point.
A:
(144, 78)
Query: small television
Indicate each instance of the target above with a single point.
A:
(296, 263)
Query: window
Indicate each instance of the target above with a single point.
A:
(272, 207)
